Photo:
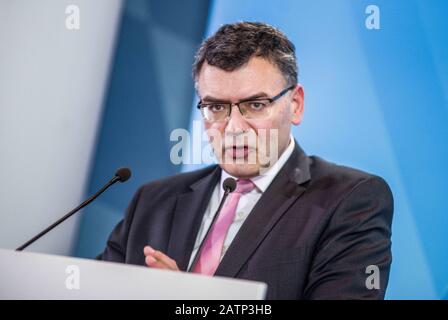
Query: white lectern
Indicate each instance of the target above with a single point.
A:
(25, 275)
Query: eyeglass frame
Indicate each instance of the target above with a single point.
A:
(200, 105)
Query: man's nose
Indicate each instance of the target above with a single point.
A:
(237, 123)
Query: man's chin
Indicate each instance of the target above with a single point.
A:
(241, 170)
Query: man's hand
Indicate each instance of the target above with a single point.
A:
(159, 260)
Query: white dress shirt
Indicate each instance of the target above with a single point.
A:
(246, 203)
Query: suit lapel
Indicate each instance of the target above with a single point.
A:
(190, 208)
(284, 190)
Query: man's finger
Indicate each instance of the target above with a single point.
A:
(170, 263)
(154, 263)
(147, 250)
(158, 259)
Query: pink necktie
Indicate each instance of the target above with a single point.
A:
(211, 251)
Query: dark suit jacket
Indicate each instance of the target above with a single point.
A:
(311, 235)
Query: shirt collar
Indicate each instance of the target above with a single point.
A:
(263, 181)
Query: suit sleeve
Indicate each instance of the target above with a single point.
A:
(353, 257)
(115, 250)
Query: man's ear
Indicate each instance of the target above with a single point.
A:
(297, 105)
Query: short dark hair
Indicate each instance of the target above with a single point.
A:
(233, 45)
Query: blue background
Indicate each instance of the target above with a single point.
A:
(374, 99)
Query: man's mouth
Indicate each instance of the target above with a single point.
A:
(238, 151)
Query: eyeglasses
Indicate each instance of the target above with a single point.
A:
(249, 109)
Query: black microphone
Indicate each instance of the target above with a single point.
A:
(229, 185)
(122, 175)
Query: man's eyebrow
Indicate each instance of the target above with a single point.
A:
(252, 97)
(212, 99)
(256, 96)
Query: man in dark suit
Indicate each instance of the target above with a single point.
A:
(308, 228)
